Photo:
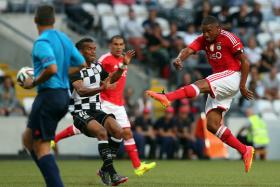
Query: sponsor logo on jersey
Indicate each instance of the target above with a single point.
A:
(216, 55)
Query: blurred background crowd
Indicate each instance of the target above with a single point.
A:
(158, 30)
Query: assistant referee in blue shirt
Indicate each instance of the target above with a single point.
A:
(53, 56)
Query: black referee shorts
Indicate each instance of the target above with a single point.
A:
(82, 118)
(49, 107)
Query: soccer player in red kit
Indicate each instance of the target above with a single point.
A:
(112, 101)
(230, 70)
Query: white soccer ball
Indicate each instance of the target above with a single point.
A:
(23, 74)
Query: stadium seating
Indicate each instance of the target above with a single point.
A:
(91, 9)
(3, 5)
(167, 4)
(189, 4)
(140, 10)
(276, 36)
(216, 9)
(110, 25)
(120, 10)
(263, 106)
(278, 76)
(276, 106)
(269, 116)
(263, 26)
(122, 21)
(104, 9)
(181, 34)
(233, 9)
(164, 25)
(140, 20)
(273, 26)
(263, 38)
(265, 8)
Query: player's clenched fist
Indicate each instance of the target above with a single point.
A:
(247, 94)
(178, 63)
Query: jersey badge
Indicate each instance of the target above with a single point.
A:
(219, 47)
(212, 47)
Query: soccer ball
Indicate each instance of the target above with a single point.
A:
(23, 74)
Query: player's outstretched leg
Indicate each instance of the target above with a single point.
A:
(247, 152)
(67, 132)
(213, 124)
(161, 97)
(189, 91)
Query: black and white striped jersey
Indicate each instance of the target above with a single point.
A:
(91, 77)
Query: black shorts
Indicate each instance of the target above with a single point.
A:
(48, 109)
(81, 119)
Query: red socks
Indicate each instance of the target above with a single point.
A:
(69, 131)
(189, 91)
(132, 152)
(226, 136)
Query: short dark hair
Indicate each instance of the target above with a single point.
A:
(80, 43)
(210, 20)
(44, 15)
(117, 37)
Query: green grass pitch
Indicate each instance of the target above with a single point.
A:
(82, 173)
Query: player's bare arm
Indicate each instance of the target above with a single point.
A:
(44, 76)
(107, 84)
(126, 61)
(73, 70)
(244, 74)
(183, 55)
(85, 91)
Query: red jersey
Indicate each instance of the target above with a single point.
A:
(221, 52)
(111, 64)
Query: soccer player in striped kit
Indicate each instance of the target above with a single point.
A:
(112, 102)
(230, 70)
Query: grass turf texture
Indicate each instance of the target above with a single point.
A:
(78, 173)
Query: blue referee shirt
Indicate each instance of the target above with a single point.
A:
(54, 47)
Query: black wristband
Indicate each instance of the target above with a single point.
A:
(34, 83)
(122, 66)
